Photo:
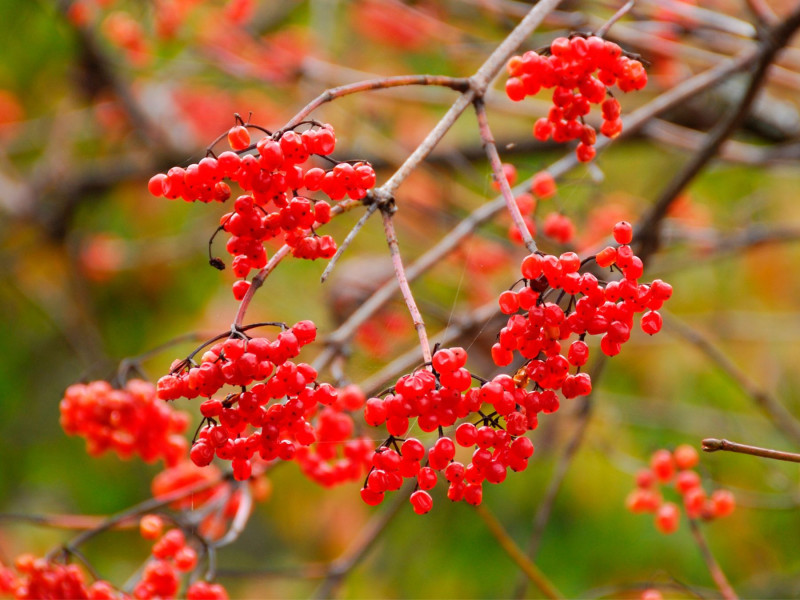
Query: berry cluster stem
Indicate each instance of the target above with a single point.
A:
(714, 445)
(531, 571)
(490, 147)
(717, 575)
(405, 288)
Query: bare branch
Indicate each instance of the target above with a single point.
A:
(506, 542)
(405, 289)
(715, 445)
(713, 566)
(772, 408)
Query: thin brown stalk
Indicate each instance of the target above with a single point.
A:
(405, 288)
(713, 566)
(715, 445)
(773, 409)
(500, 177)
(506, 542)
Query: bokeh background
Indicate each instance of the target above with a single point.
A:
(95, 97)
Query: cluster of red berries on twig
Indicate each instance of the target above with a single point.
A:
(580, 70)
(538, 324)
(34, 577)
(676, 468)
(274, 173)
(283, 410)
(128, 421)
(436, 399)
(171, 557)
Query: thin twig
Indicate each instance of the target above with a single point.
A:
(258, 281)
(714, 445)
(141, 508)
(348, 240)
(405, 288)
(602, 31)
(772, 408)
(713, 567)
(506, 542)
(647, 236)
(460, 84)
(500, 176)
(763, 12)
(342, 566)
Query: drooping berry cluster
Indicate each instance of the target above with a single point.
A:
(172, 556)
(436, 399)
(579, 69)
(38, 578)
(128, 421)
(538, 324)
(277, 415)
(273, 172)
(676, 468)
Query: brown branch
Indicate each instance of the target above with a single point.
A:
(402, 282)
(500, 176)
(715, 445)
(506, 542)
(347, 241)
(459, 84)
(141, 508)
(648, 229)
(713, 567)
(342, 566)
(603, 30)
(772, 408)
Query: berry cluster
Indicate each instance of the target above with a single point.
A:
(128, 421)
(171, 557)
(279, 413)
(38, 578)
(677, 468)
(570, 69)
(594, 307)
(437, 398)
(273, 177)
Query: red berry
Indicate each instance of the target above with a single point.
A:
(668, 518)
(239, 138)
(685, 456)
(421, 501)
(623, 232)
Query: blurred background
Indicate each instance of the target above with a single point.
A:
(96, 96)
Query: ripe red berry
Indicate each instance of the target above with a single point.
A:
(421, 501)
(663, 465)
(543, 185)
(239, 138)
(151, 527)
(686, 457)
(723, 503)
(623, 232)
(668, 518)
